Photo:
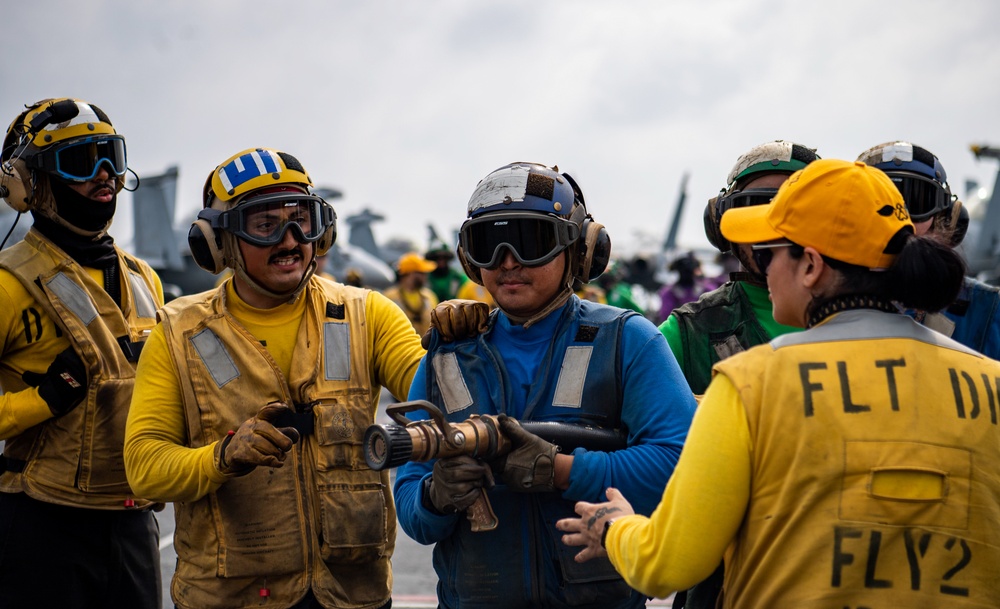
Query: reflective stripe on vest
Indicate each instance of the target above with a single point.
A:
(145, 304)
(337, 351)
(215, 357)
(569, 387)
(75, 298)
(454, 390)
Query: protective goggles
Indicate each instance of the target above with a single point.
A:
(264, 220)
(923, 196)
(763, 253)
(745, 198)
(534, 239)
(80, 160)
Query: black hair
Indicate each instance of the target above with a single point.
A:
(926, 275)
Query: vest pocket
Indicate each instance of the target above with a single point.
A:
(354, 521)
(582, 583)
(340, 431)
(260, 533)
(102, 466)
(353, 501)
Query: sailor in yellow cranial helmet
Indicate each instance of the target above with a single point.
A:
(252, 401)
(75, 310)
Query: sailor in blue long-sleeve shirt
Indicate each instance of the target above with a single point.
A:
(545, 356)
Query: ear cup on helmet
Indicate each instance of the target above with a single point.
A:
(472, 272)
(15, 185)
(206, 246)
(713, 230)
(322, 245)
(958, 223)
(595, 253)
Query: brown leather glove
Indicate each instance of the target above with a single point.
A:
(530, 465)
(457, 319)
(257, 442)
(456, 483)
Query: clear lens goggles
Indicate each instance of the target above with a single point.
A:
(263, 221)
(533, 238)
(746, 198)
(923, 196)
(80, 160)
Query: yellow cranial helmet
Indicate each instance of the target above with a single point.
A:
(251, 170)
(68, 139)
(56, 120)
(239, 190)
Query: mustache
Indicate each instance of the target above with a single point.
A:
(286, 253)
(97, 187)
(511, 277)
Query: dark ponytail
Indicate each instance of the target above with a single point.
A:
(927, 274)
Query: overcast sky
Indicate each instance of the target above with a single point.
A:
(406, 105)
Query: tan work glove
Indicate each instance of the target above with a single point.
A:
(530, 465)
(457, 319)
(257, 442)
(456, 483)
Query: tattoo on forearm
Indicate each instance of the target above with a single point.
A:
(601, 513)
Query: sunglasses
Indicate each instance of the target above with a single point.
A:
(80, 160)
(534, 239)
(763, 253)
(923, 196)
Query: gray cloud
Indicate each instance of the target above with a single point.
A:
(405, 106)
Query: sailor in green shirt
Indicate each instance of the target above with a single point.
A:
(445, 281)
(616, 291)
(737, 315)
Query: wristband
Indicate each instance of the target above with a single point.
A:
(604, 535)
(223, 466)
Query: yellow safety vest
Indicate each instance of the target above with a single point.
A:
(876, 469)
(76, 459)
(324, 520)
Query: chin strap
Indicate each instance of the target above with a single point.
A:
(557, 301)
(234, 259)
(289, 296)
(745, 273)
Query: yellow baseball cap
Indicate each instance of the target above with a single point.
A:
(414, 263)
(846, 210)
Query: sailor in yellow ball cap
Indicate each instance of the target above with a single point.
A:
(410, 291)
(853, 464)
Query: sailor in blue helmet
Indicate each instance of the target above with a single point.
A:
(972, 319)
(544, 356)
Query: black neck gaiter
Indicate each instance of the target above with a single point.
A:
(83, 213)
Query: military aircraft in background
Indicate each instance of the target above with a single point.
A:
(981, 245)
(363, 238)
